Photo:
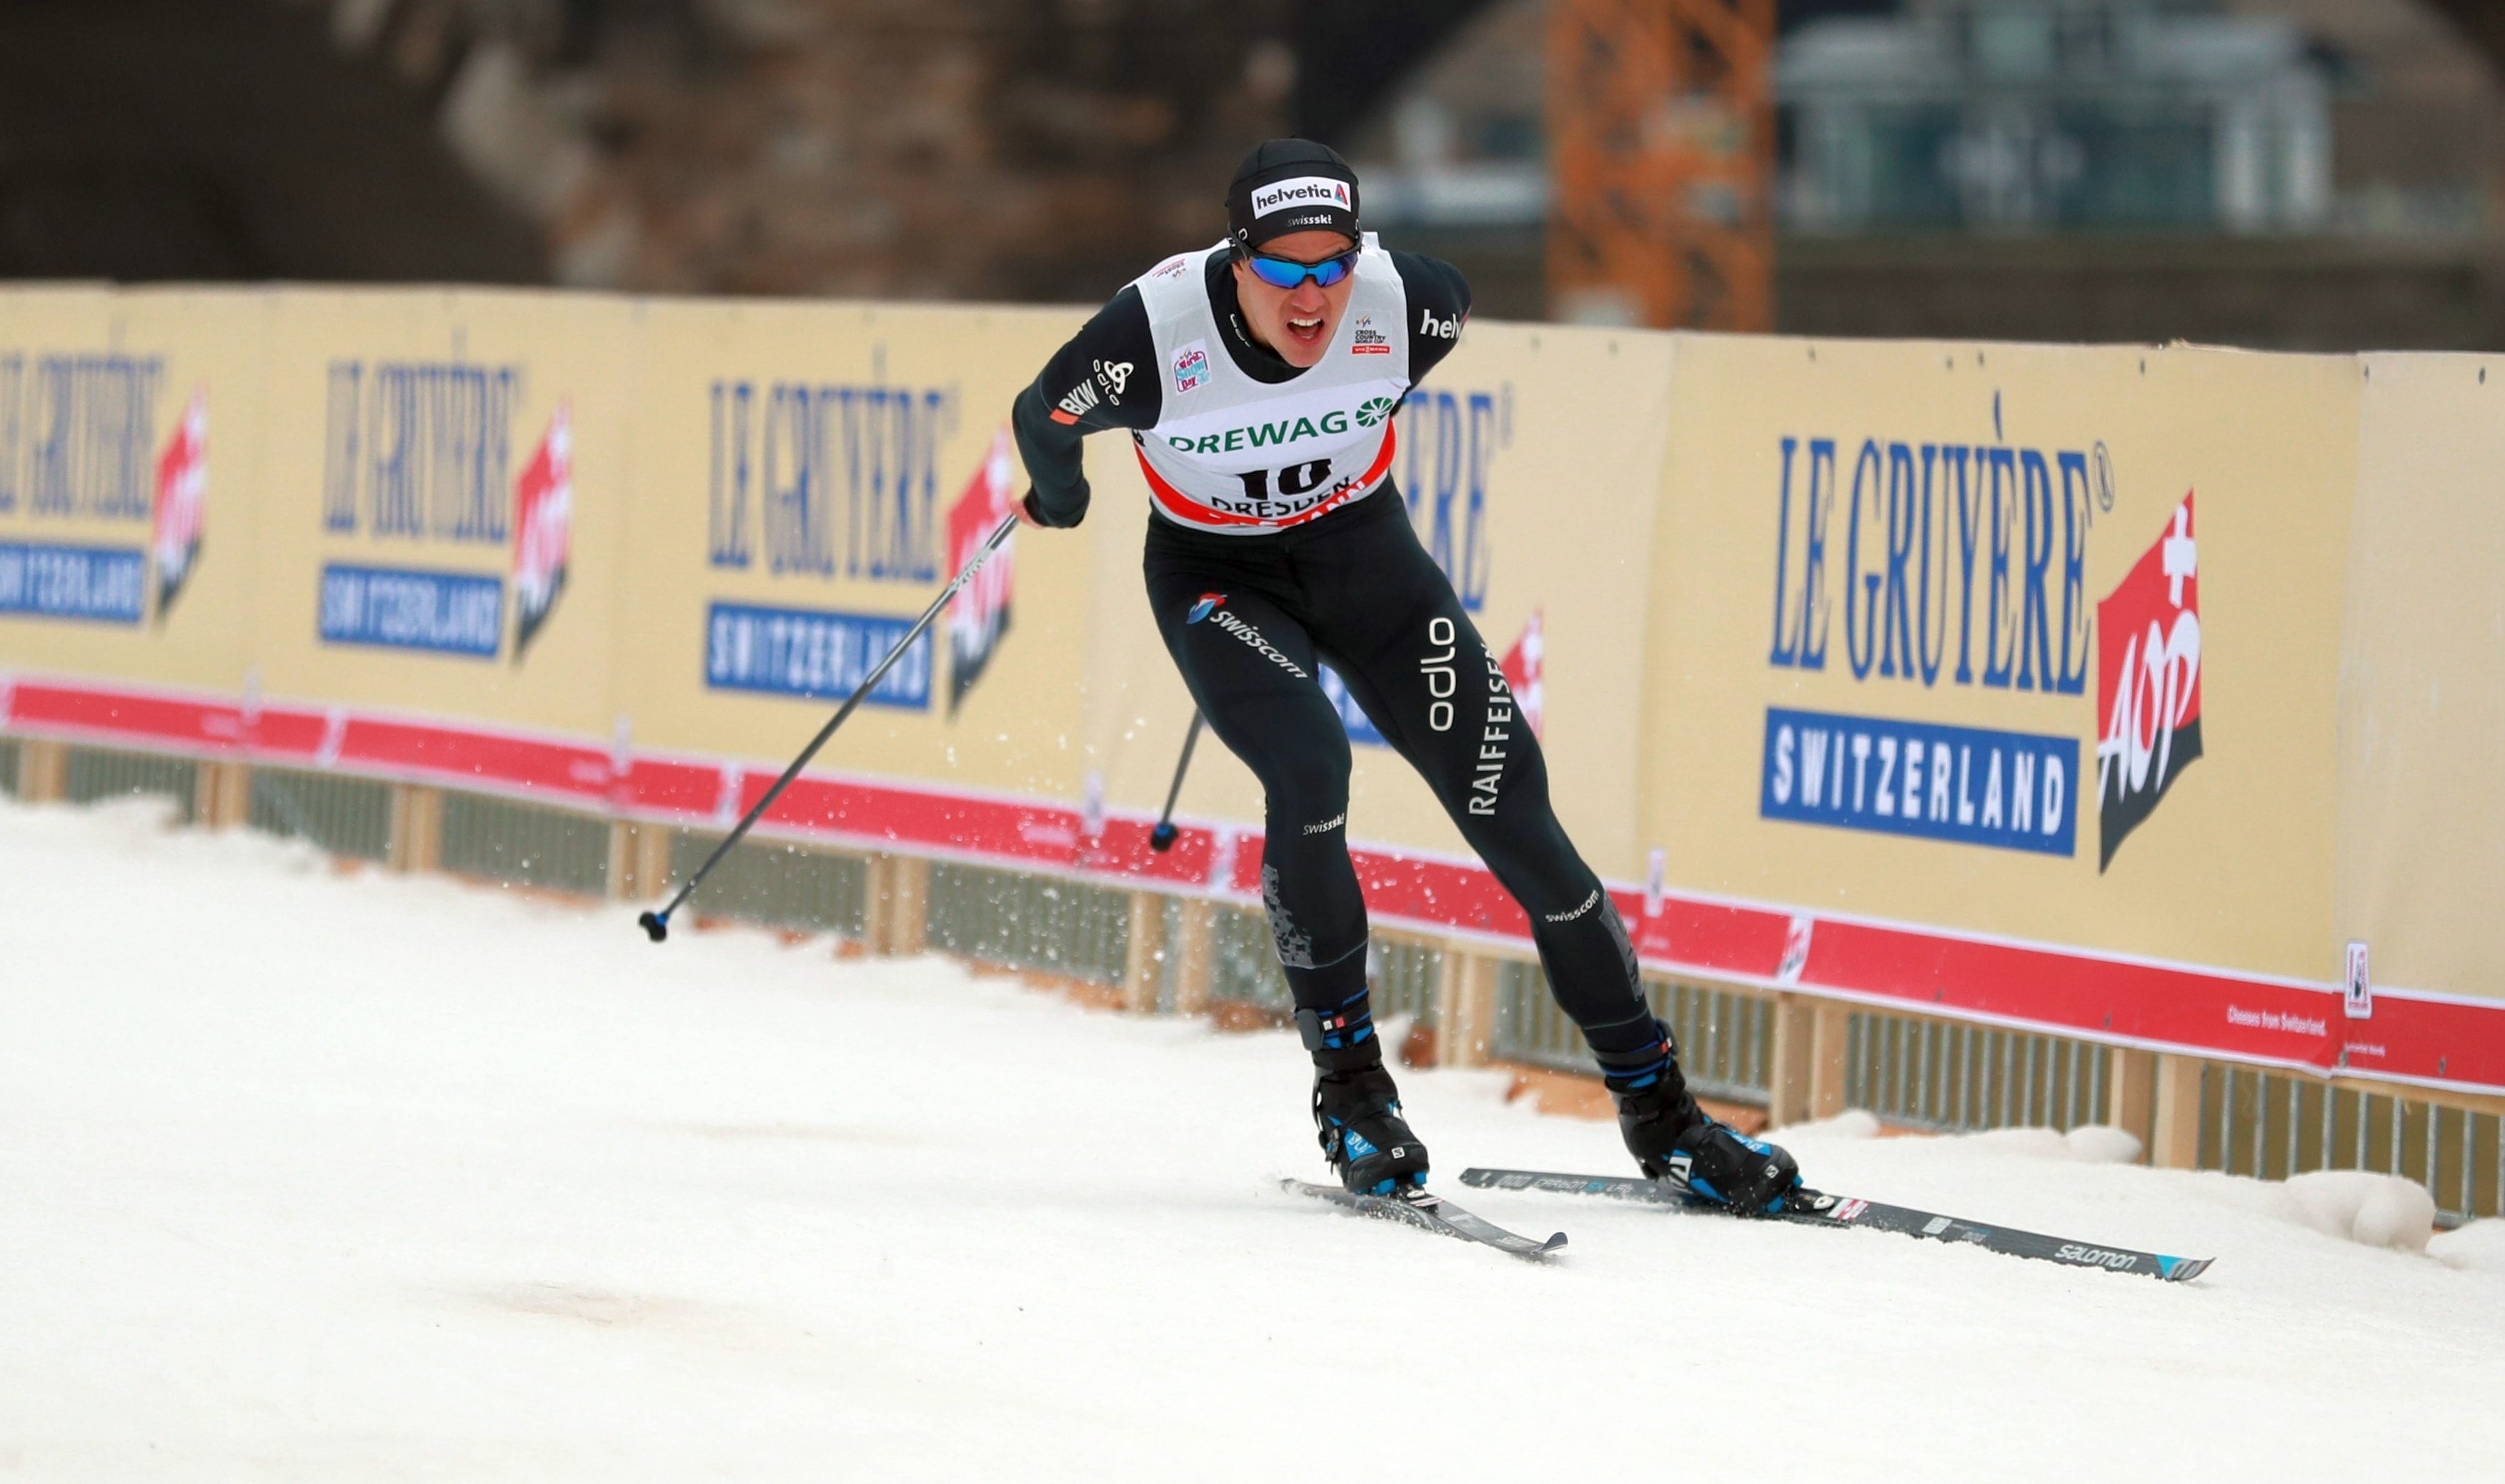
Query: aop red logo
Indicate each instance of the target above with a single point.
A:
(2148, 681)
(543, 529)
(182, 499)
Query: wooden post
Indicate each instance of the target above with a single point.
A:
(900, 890)
(417, 827)
(1196, 957)
(43, 770)
(876, 889)
(2130, 1094)
(1830, 1059)
(1787, 1080)
(1144, 960)
(222, 795)
(1810, 1038)
(1465, 1008)
(639, 859)
(911, 923)
(2174, 1142)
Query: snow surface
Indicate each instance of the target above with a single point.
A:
(307, 1176)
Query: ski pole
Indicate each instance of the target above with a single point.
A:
(1163, 837)
(657, 925)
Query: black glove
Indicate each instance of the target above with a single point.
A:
(1044, 516)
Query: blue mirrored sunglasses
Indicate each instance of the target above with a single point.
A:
(1287, 274)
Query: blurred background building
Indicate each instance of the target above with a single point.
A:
(2291, 173)
(2313, 174)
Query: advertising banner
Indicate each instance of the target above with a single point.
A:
(129, 441)
(442, 509)
(2421, 794)
(2035, 646)
(808, 476)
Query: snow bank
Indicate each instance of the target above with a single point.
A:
(2377, 1210)
(2088, 1142)
(2354, 1205)
(1851, 1123)
(2092, 1144)
(2479, 1247)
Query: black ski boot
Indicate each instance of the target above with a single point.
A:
(1357, 1116)
(1678, 1143)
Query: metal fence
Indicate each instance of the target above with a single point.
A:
(515, 844)
(95, 774)
(1940, 1076)
(777, 884)
(1725, 1038)
(1403, 976)
(1245, 964)
(1910, 1071)
(1029, 922)
(2272, 1126)
(344, 816)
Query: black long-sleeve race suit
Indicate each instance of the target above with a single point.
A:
(1249, 618)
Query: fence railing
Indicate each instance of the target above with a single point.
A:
(1178, 954)
(350, 817)
(497, 839)
(1043, 923)
(1945, 1077)
(2268, 1125)
(93, 773)
(1725, 1036)
(777, 884)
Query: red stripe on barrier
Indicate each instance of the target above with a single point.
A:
(2410, 1037)
(1438, 891)
(2427, 1041)
(917, 817)
(162, 720)
(286, 733)
(1713, 937)
(690, 790)
(518, 763)
(2098, 997)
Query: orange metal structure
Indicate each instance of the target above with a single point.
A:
(1661, 139)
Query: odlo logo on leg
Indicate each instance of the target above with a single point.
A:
(1207, 605)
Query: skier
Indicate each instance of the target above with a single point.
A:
(1259, 381)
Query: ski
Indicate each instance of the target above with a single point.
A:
(1840, 1211)
(1429, 1213)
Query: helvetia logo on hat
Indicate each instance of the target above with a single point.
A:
(1303, 190)
(1207, 605)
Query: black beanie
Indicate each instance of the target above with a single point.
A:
(1289, 185)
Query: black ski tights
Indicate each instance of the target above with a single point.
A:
(1245, 618)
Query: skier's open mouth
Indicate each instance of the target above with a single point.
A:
(1306, 329)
